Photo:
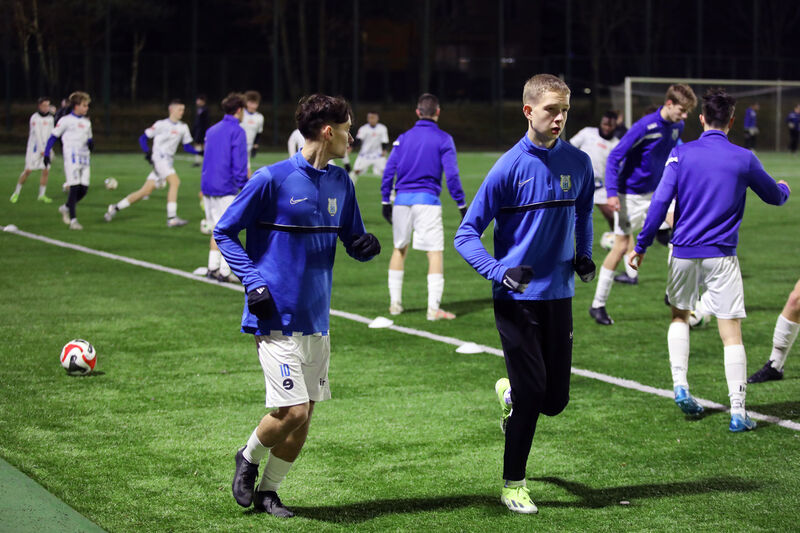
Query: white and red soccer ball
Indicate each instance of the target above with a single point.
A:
(78, 357)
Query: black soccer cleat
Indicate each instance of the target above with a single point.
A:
(600, 315)
(626, 279)
(268, 502)
(766, 373)
(244, 480)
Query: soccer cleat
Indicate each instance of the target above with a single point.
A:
(244, 479)
(44, 199)
(626, 279)
(518, 499)
(439, 314)
(110, 212)
(502, 388)
(64, 214)
(766, 373)
(741, 423)
(175, 222)
(14, 198)
(268, 502)
(74, 224)
(686, 402)
(600, 315)
(395, 308)
(666, 300)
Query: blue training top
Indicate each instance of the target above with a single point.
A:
(541, 201)
(225, 160)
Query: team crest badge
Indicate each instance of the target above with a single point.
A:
(566, 182)
(675, 134)
(331, 206)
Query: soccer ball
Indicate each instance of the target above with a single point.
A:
(78, 357)
(111, 183)
(607, 240)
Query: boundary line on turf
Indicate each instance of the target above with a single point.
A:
(620, 382)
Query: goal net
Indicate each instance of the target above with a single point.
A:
(775, 98)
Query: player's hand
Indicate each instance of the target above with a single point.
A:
(517, 278)
(259, 302)
(787, 185)
(46, 160)
(463, 211)
(635, 260)
(149, 156)
(366, 245)
(613, 203)
(253, 151)
(387, 212)
(585, 268)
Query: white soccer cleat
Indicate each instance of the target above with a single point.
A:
(439, 314)
(395, 308)
(74, 224)
(110, 212)
(175, 222)
(64, 214)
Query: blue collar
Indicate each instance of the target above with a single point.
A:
(719, 133)
(230, 118)
(426, 122)
(73, 114)
(538, 151)
(306, 167)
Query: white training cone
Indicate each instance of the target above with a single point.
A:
(380, 322)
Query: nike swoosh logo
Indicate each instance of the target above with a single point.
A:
(521, 183)
(293, 201)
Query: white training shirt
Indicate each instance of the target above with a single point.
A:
(253, 124)
(167, 136)
(296, 142)
(40, 129)
(74, 131)
(590, 141)
(372, 140)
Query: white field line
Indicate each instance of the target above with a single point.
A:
(619, 382)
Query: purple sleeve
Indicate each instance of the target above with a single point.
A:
(659, 205)
(189, 149)
(617, 155)
(49, 146)
(239, 157)
(389, 171)
(450, 164)
(143, 143)
(764, 186)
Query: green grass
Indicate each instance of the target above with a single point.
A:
(411, 439)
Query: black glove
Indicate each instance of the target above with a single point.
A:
(259, 302)
(253, 151)
(585, 268)
(366, 245)
(201, 152)
(149, 156)
(463, 211)
(387, 212)
(347, 167)
(663, 236)
(46, 160)
(518, 277)
(90, 145)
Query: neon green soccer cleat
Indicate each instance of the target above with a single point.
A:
(518, 499)
(44, 199)
(502, 389)
(14, 198)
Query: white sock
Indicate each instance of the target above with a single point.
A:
(604, 282)
(224, 269)
(435, 290)
(782, 339)
(254, 451)
(172, 209)
(122, 204)
(42, 189)
(274, 474)
(18, 188)
(214, 258)
(396, 286)
(678, 346)
(736, 376)
(629, 270)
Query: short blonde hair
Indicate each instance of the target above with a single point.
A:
(683, 95)
(540, 84)
(79, 96)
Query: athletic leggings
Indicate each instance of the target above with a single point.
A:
(76, 194)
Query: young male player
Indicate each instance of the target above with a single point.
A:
(253, 124)
(417, 159)
(372, 142)
(633, 171)
(708, 178)
(40, 125)
(167, 134)
(224, 174)
(75, 132)
(751, 126)
(793, 123)
(296, 142)
(200, 126)
(539, 194)
(293, 212)
(783, 337)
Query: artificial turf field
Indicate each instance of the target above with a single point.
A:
(411, 439)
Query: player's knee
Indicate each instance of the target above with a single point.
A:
(554, 406)
(793, 302)
(295, 416)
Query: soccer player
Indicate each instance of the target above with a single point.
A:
(708, 178)
(598, 143)
(633, 171)
(372, 141)
(783, 337)
(293, 212)
(751, 126)
(75, 132)
(253, 124)
(224, 174)
(199, 126)
(167, 134)
(417, 159)
(793, 123)
(40, 125)
(539, 194)
(296, 142)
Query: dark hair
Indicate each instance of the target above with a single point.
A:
(232, 103)
(611, 114)
(718, 107)
(202, 97)
(427, 105)
(176, 101)
(42, 99)
(252, 96)
(315, 111)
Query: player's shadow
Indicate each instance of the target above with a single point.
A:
(605, 497)
(785, 410)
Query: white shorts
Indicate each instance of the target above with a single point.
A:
(632, 212)
(162, 167)
(378, 163)
(76, 169)
(35, 160)
(215, 207)
(721, 277)
(424, 221)
(600, 196)
(295, 368)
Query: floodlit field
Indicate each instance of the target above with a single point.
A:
(411, 439)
